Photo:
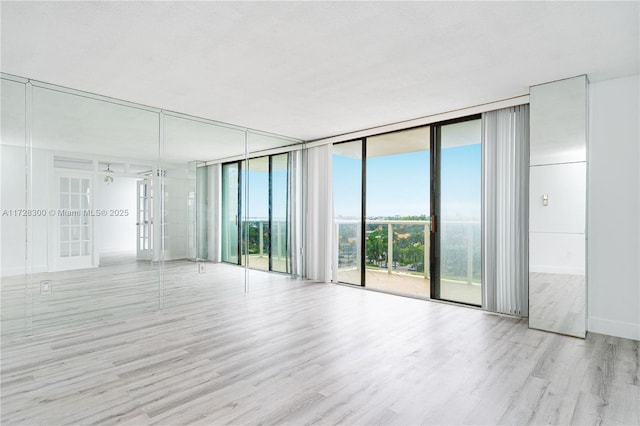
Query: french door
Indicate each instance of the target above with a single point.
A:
(74, 242)
(144, 223)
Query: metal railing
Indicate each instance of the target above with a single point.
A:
(278, 235)
(457, 236)
(459, 246)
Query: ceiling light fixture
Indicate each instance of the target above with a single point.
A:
(108, 179)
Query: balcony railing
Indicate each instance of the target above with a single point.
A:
(409, 249)
(407, 254)
(255, 231)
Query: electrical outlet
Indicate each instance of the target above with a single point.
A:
(202, 268)
(46, 287)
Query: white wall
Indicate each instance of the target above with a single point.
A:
(117, 233)
(613, 247)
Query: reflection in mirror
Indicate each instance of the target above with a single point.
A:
(140, 207)
(559, 112)
(193, 193)
(88, 250)
(272, 208)
(13, 197)
(557, 207)
(256, 229)
(102, 231)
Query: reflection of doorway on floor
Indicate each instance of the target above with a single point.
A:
(116, 232)
(117, 258)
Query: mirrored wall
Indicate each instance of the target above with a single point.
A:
(111, 208)
(557, 207)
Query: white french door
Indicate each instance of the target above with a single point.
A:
(144, 222)
(74, 245)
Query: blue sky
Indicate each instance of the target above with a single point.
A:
(399, 184)
(396, 185)
(259, 194)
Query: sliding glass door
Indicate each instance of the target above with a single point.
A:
(421, 204)
(348, 210)
(397, 229)
(457, 207)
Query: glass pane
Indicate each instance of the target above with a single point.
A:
(75, 201)
(74, 185)
(81, 127)
(347, 205)
(74, 249)
(255, 224)
(398, 211)
(460, 212)
(280, 257)
(64, 184)
(230, 199)
(64, 233)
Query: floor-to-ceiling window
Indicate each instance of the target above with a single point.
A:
(421, 210)
(397, 203)
(459, 212)
(347, 206)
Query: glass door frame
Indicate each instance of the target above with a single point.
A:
(434, 205)
(436, 181)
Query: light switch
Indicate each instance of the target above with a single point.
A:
(545, 200)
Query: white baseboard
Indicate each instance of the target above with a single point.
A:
(626, 330)
(20, 270)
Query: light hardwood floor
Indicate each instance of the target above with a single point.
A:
(293, 352)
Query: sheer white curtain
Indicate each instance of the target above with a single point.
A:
(505, 157)
(295, 212)
(318, 245)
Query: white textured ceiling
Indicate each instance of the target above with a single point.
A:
(316, 69)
